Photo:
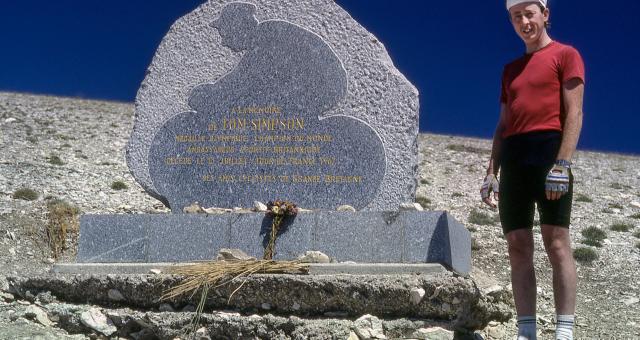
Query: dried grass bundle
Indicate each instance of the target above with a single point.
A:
(205, 275)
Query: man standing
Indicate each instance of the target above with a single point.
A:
(535, 138)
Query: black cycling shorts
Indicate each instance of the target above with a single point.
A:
(525, 162)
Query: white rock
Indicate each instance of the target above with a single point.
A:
(155, 271)
(353, 336)
(259, 206)
(314, 256)
(233, 254)
(94, 319)
(38, 314)
(115, 295)
(10, 120)
(369, 327)
(631, 301)
(635, 204)
(265, 306)
(194, 208)
(433, 333)
(296, 306)
(416, 294)
(7, 297)
(414, 206)
(346, 208)
(202, 334)
(216, 211)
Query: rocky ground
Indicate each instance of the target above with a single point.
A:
(73, 150)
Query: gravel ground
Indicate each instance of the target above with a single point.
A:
(73, 149)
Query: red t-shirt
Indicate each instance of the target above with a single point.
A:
(532, 88)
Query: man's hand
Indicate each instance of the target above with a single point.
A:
(490, 184)
(557, 183)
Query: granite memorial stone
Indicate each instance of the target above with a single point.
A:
(269, 100)
(276, 99)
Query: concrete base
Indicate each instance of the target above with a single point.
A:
(314, 268)
(362, 237)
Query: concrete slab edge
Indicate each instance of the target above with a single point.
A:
(314, 268)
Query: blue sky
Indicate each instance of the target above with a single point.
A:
(453, 52)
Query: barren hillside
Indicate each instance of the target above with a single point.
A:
(73, 150)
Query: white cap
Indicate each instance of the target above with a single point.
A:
(511, 3)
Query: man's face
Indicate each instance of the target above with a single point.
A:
(528, 21)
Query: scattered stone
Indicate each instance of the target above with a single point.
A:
(226, 254)
(34, 312)
(202, 334)
(411, 207)
(49, 261)
(296, 306)
(7, 297)
(94, 319)
(635, 204)
(416, 294)
(217, 211)
(369, 327)
(346, 208)
(353, 336)
(125, 207)
(494, 331)
(115, 317)
(314, 256)
(259, 206)
(11, 236)
(433, 333)
(115, 295)
(543, 320)
(265, 306)
(631, 301)
(45, 297)
(194, 208)
(155, 271)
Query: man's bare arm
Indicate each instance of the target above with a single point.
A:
(572, 91)
(494, 161)
(490, 182)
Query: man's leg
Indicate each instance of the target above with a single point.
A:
(523, 280)
(557, 242)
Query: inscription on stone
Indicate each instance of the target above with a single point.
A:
(255, 134)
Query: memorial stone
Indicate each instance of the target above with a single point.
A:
(274, 100)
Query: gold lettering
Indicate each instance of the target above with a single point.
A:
(190, 139)
(178, 161)
(306, 179)
(233, 161)
(342, 179)
(302, 161)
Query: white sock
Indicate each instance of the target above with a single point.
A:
(564, 327)
(527, 327)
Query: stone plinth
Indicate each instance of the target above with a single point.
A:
(366, 237)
